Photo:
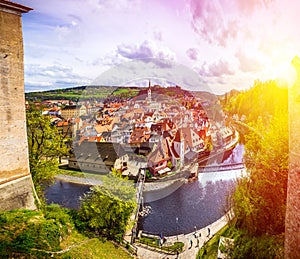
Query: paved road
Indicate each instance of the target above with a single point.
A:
(189, 252)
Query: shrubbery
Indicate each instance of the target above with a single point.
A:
(22, 231)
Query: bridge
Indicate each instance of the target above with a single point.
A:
(139, 197)
(244, 128)
(220, 168)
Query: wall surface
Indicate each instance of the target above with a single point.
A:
(292, 221)
(17, 194)
(13, 140)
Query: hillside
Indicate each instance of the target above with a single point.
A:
(50, 233)
(112, 92)
(74, 93)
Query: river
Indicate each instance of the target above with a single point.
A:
(193, 204)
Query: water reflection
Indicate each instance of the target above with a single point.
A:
(194, 204)
(66, 194)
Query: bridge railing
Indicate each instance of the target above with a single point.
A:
(219, 168)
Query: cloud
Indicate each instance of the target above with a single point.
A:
(247, 63)
(157, 35)
(218, 21)
(215, 69)
(249, 6)
(53, 76)
(145, 51)
(211, 23)
(138, 70)
(192, 53)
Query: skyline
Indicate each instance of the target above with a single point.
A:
(227, 44)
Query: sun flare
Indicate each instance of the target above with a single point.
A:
(285, 74)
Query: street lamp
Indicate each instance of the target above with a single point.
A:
(177, 227)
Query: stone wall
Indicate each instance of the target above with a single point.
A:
(292, 221)
(17, 194)
(13, 139)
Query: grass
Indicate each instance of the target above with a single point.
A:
(92, 248)
(71, 172)
(37, 234)
(80, 174)
(265, 246)
(210, 249)
(154, 242)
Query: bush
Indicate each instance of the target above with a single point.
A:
(154, 242)
(265, 246)
(106, 213)
(23, 230)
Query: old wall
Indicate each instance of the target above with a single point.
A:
(292, 221)
(13, 140)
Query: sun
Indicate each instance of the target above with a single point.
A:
(285, 74)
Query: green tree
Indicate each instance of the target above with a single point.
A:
(259, 200)
(108, 209)
(169, 164)
(260, 101)
(45, 145)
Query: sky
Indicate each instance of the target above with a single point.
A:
(225, 44)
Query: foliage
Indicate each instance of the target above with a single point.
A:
(154, 242)
(258, 247)
(148, 174)
(107, 208)
(45, 145)
(21, 231)
(259, 200)
(35, 234)
(245, 246)
(116, 172)
(169, 164)
(260, 101)
(96, 249)
(210, 249)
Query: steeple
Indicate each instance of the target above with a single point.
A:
(149, 92)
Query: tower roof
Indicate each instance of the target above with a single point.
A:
(12, 7)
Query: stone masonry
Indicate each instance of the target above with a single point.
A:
(15, 179)
(292, 221)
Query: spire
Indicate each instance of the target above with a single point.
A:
(149, 92)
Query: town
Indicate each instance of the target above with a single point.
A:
(152, 130)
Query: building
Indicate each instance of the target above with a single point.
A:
(98, 157)
(158, 160)
(73, 111)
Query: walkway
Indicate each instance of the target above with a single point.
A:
(189, 252)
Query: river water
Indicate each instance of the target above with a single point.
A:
(193, 204)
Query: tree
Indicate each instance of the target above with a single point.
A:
(259, 201)
(45, 145)
(107, 208)
(260, 101)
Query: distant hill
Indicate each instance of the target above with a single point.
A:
(112, 92)
(73, 93)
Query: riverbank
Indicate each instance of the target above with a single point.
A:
(78, 180)
(192, 242)
(158, 190)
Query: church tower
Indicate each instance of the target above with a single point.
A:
(179, 145)
(149, 92)
(16, 187)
